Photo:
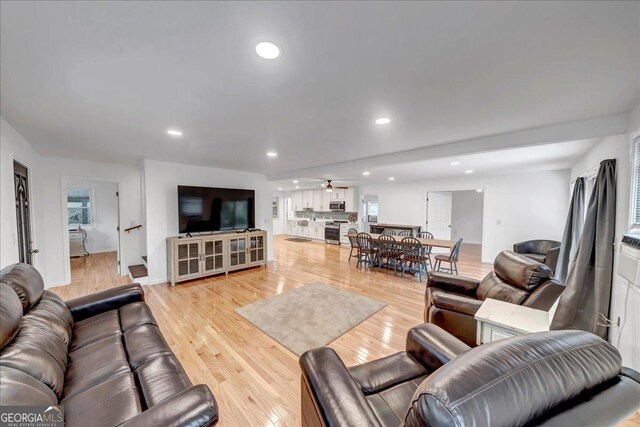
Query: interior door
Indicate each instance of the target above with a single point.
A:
(439, 214)
(23, 214)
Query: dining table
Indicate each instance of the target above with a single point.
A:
(436, 243)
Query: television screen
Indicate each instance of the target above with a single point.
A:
(202, 209)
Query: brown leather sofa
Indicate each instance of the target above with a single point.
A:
(544, 251)
(452, 301)
(557, 378)
(101, 356)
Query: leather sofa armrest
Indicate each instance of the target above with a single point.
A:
(337, 398)
(551, 258)
(455, 302)
(522, 247)
(193, 407)
(545, 295)
(109, 299)
(433, 346)
(452, 283)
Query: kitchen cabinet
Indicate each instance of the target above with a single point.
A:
(296, 200)
(307, 199)
(351, 202)
(317, 200)
(326, 199)
(337, 195)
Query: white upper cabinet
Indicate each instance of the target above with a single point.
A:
(338, 195)
(317, 200)
(326, 198)
(296, 200)
(307, 198)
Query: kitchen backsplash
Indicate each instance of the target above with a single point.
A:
(323, 215)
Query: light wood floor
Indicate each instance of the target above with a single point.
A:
(254, 379)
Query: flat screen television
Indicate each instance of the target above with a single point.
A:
(205, 209)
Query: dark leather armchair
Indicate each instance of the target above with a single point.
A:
(102, 356)
(451, 302)
(555, 378)
(544, 251)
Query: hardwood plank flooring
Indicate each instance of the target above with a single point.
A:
(255, 380)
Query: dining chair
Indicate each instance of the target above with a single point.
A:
(452, 259)
(389, 249)
(388, 233)
(367, 250)
(353, 241)
(427, 248)
(405, 233)
(413, 254)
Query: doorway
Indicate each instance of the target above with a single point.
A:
(92, 225)
(369, 214)
(26, 251)
(453, 215)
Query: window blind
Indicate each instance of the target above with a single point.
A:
(636, 213)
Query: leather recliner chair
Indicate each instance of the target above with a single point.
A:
(557, 378)
(544, 251)
(451, 302)
(101, 356)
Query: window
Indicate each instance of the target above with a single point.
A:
(635, 213)
(275, 205)
(80, 207)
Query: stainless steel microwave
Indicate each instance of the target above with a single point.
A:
(336, 206)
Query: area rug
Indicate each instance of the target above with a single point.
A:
(297, 239)
(311, 316)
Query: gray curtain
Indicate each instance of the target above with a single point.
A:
(572, 231)
(588, 286)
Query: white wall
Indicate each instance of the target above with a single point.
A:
(516, 207)
(466, 216)
(14, 147)
(102, 236)
(48, 205)
(279, 223)
(161, 196)
(55, 227)
(619, 147)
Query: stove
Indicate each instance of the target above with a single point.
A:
(332, 232)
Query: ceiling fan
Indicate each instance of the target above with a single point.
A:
(330, 187)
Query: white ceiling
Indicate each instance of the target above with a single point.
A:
(511, 161)
(104, 80)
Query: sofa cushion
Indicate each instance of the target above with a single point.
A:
(109, 403)
(520, 271)
(536, 257)
(493, 286)
(10, 314)
(39, 353)
(161, 378)
(18, 388)
(380, 374)
(391, 405)
(95, 328)
(25, 281)
(53, 315)
(135, 314)
(94, 364)
(514, 381)
(143, 344)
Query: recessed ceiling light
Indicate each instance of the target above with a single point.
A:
(267, 50)
(279, 188)
(468, 171)
(383, 121)
(272, 154)
(454, 163)
(391, 178)
(297, 186)
(366, 173)
(295, 181)
(174, 132)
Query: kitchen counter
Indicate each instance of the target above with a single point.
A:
(380, 227)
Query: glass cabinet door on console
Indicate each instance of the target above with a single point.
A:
(213, 254)
(237, 252)
(256, 249)
(188, 259)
